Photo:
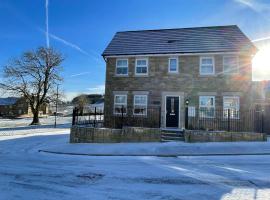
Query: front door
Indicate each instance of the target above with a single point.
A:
(172, 112)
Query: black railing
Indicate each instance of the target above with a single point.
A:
(225, 120)
(119, 117)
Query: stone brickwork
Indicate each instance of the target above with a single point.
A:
(222, 136)
(188, 82)
(83, 134)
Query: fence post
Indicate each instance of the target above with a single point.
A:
(95, 117)
(73, 116)
(229, 120)
(122, 116)
(186, 117)
(159, 116)
(262, 121)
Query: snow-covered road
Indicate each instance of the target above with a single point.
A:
(26, 173)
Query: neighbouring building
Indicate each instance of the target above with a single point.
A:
(18, 107)
(210, 67)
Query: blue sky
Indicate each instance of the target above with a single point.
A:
(82, 29)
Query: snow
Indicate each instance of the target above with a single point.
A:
(163, 149)
(26, 173)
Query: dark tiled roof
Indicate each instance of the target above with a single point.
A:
(181, 40)
(8, 101)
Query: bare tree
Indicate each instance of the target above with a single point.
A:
(33, 76)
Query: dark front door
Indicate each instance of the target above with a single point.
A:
(172, 112)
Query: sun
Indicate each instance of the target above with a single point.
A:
(261, 63)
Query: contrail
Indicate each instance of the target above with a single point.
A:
(261, 39)
(47, 24)
(83, 73)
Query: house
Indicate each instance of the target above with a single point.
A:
(17, 107)
(205, 67)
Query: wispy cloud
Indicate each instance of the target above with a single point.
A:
(47, 23)
(80, 74)
(261, 39)
(255, 5)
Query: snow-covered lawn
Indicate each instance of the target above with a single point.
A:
(12, 123)
(26, 173)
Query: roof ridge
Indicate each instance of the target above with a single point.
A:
(221, 26)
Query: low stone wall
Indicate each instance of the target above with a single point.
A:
(222, 136)
(83, 134)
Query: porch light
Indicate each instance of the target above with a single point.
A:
(187, 102)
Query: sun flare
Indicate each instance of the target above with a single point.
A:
(261, 63)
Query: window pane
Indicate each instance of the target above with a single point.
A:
(121, 63)
(140, 100)
(207, 69)
(231, 102)
(206, 101)
(121, 70)
(141, 62)
(120, 99)
(207, 112)
(173, 64)
(230, 65)
(140, 110)
(207, 61)
(141, 70)
(119, 108)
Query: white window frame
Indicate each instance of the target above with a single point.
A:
(145, 105)
(201, 65)
(214, 106)
(169, 66)
(238, 107)
(237, 61)
(119, 104)
(147, 67)
(120, 67)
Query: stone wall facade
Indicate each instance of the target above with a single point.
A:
(222, 136)
(83, 134)
(187, 83)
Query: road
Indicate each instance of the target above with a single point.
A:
(26, 173)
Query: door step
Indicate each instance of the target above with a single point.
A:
(172, 135)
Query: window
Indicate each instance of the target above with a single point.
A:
(230, 65)
(207, 106)
(207, 66)
(140, 105)
(141, 67)
(120, 101)
(122, 67)
(232, 104)
(191, 111)
(173, 65)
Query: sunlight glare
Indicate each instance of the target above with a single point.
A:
(261, 63)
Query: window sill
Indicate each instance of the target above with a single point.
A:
(118, 75)
(141, 75)
(207, 75)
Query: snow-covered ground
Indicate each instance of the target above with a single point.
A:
(26, 173)
(12, 123)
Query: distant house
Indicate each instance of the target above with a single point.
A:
(208, 67)
(18, 107)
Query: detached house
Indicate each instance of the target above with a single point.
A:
(205, 67)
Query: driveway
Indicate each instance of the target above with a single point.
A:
(26, 173)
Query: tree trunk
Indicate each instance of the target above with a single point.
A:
(35, 118)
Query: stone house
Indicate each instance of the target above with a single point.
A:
(18, 107)
(207, 67)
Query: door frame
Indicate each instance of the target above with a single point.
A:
(179, 111)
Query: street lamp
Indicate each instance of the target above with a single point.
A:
(187, 102)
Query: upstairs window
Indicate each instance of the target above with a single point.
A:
(207, 66)
(207, 106)
(230, 65)
(141, 67)
(232, 104)
(173, 65)
(122, 67)
(120, 104)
